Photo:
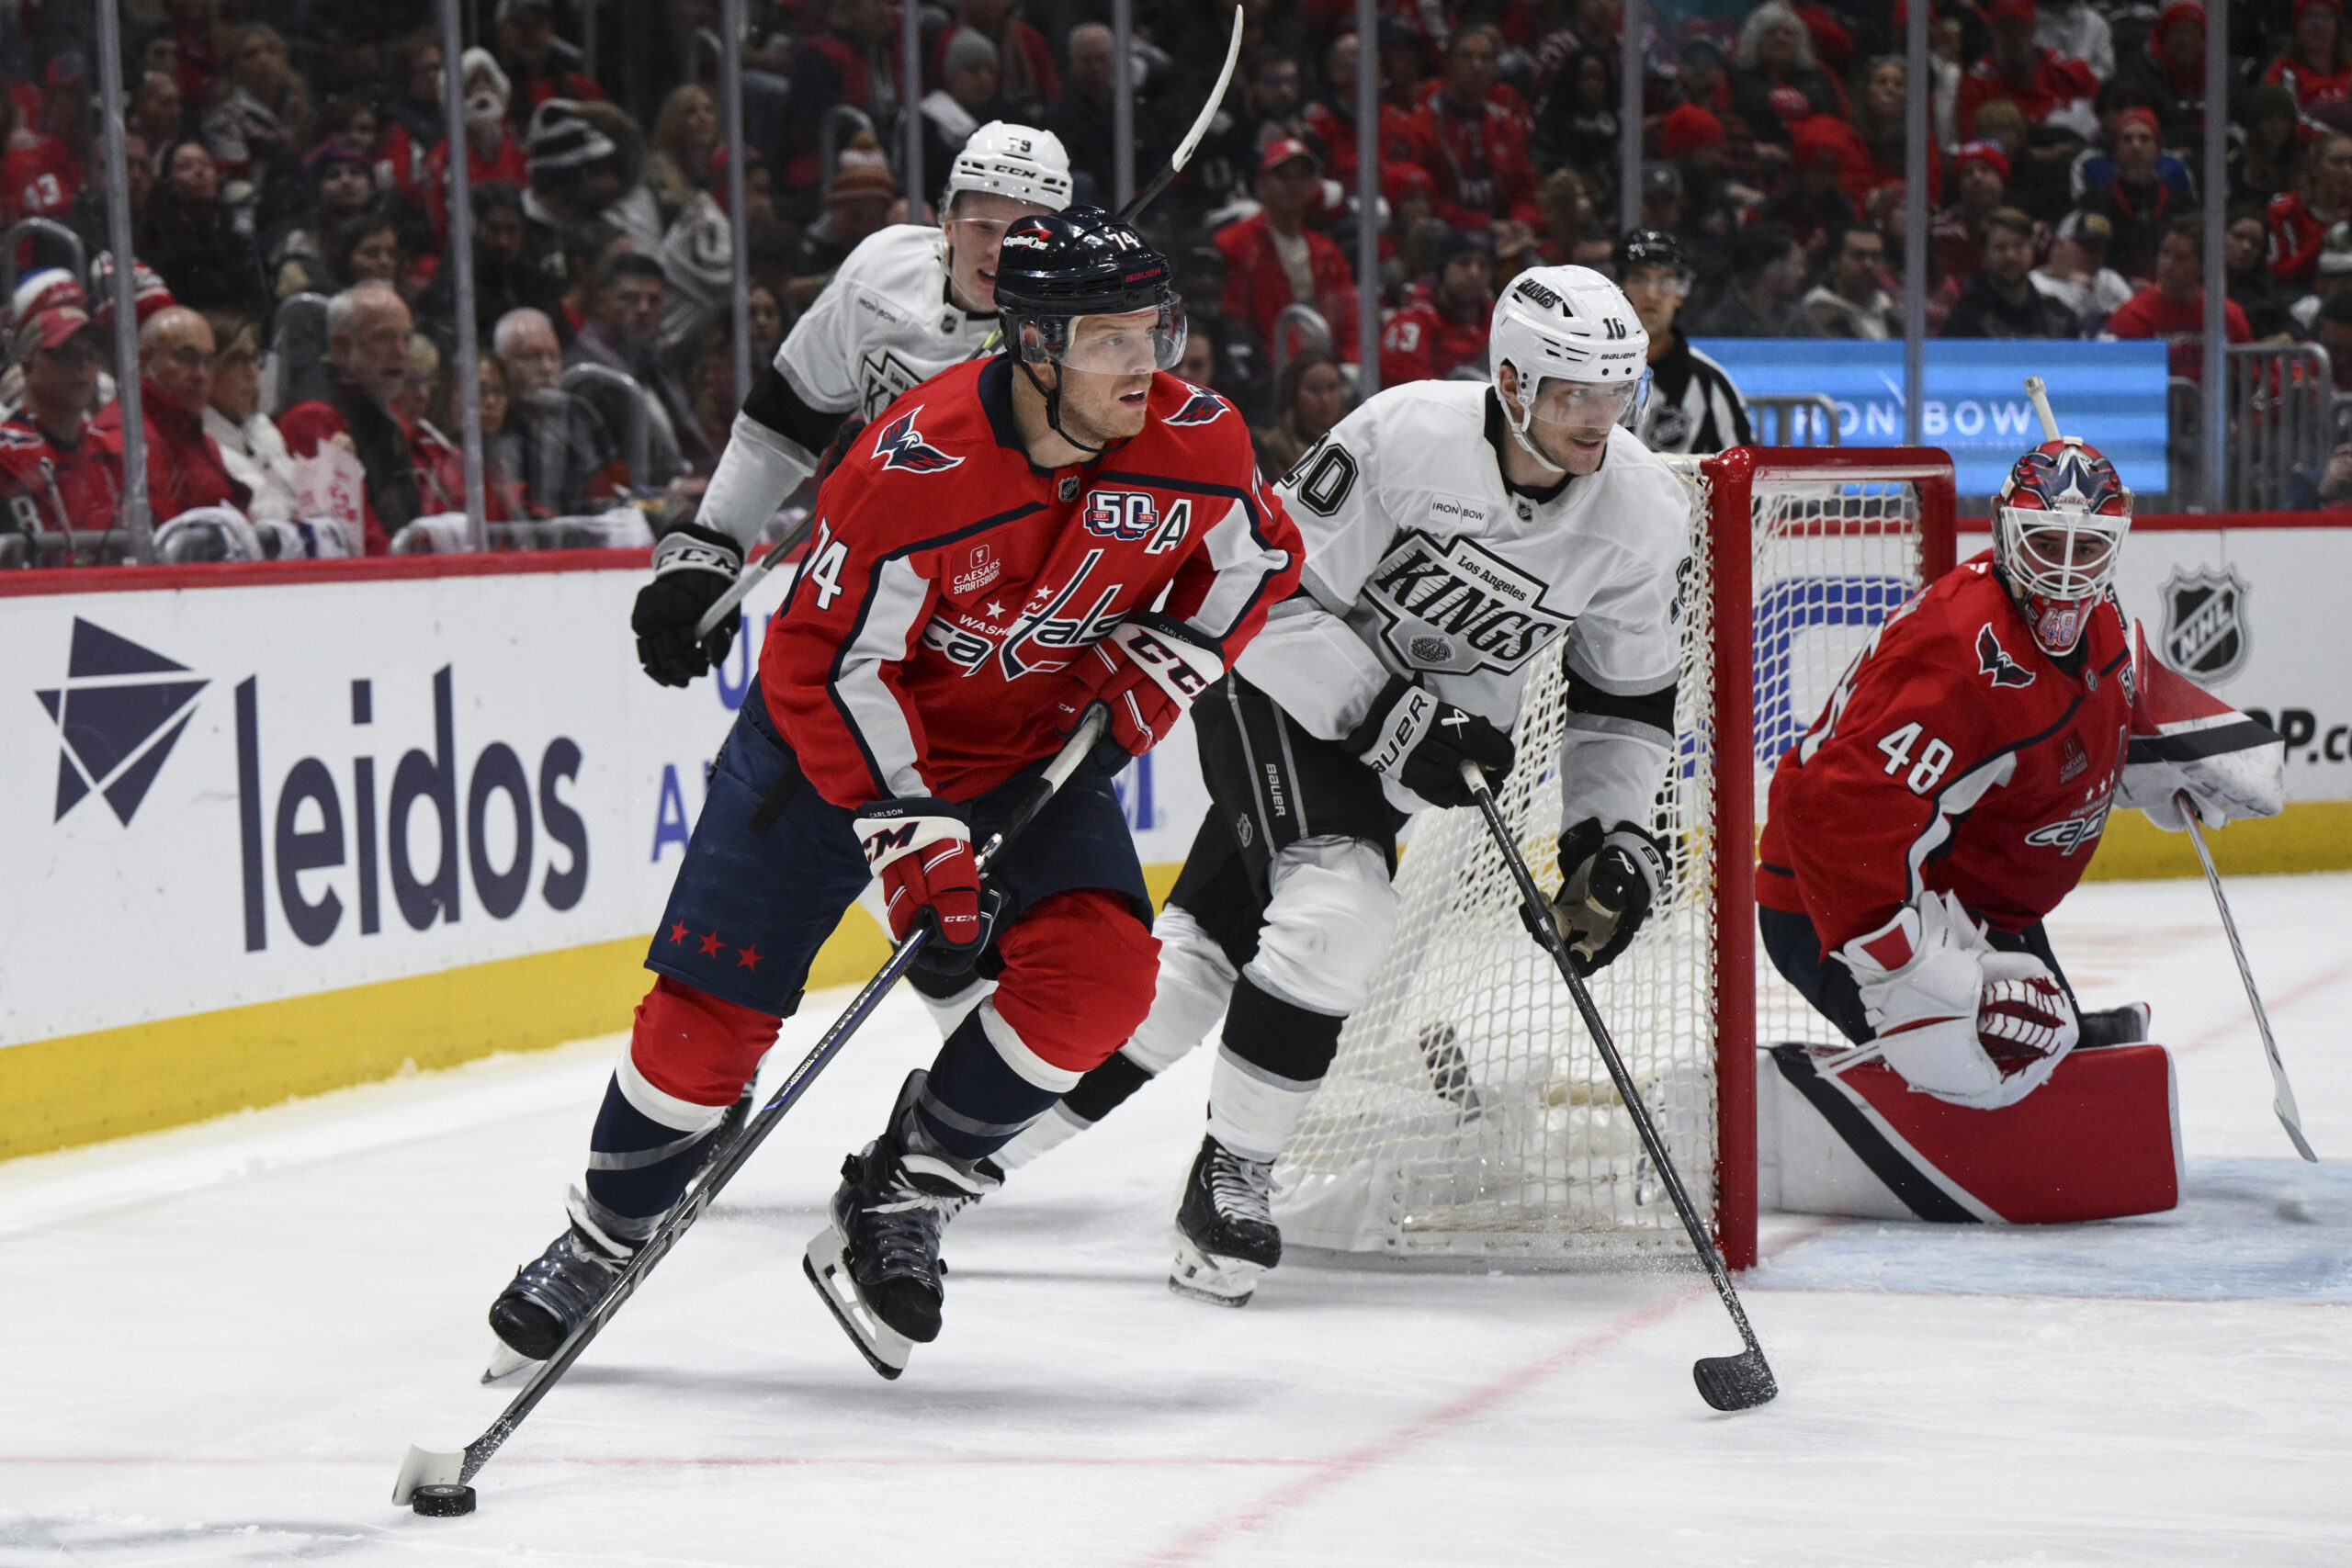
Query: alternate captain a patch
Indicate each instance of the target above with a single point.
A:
(901, 446)
(1204, 406)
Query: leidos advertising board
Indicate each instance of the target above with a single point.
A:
(222, 796)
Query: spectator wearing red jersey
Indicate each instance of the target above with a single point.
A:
(38, 177)
(2300, 219)
(1474, 148)
(1981, 172)
(185, 469)
(196, 32)
(2021, 72)
(1331, 120)
(1274, 261)
(2173, 308)
(1775, 79)
(412, 119)
(56, 473)
(2315, 65)
(368, 339)
(492, 151)
(1443, 326)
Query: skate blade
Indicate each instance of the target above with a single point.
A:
(423, 1467)
(884, 1349)
(507, 1363)
(1204, 1276)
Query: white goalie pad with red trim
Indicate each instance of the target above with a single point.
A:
(2184, 738)
(2100, 1140)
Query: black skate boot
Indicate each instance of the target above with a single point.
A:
(878, 1265)
(1225, 1228)
(2126, 1025)
(550, 1296)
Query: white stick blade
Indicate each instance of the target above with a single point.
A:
(423, 1467)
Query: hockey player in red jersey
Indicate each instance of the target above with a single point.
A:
(1006, 545)
(1948, 798)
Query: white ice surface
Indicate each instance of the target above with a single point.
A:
(216, 1343)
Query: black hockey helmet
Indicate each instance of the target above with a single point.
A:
(1056, 266)
(1651, 248)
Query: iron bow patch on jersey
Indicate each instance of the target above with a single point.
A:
(901, 446)
(1452, 608)
(1204, 406)
(1994, 659)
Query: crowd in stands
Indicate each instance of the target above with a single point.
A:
(297, 326)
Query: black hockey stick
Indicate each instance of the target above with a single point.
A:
(428, 1467)
(1184, 149)
(1727, 1382)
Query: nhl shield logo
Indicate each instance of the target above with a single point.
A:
(2206, 635)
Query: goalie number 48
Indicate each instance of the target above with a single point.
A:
(1934, 757)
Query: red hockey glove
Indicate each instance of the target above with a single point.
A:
(921, 849)
(1146, 673)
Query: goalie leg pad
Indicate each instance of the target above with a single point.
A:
(2100, 1140)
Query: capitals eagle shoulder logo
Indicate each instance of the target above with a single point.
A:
(1204, 406)
(1994, 659)
(901, 446)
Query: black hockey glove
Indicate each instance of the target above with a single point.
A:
(693, 566)
(1412, 737)
(1608, 882)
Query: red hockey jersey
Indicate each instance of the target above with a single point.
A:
(950, 580)
(1956, 756)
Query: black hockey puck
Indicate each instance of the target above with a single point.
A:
(442, 1502)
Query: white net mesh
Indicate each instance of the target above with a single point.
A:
(1468, 1114)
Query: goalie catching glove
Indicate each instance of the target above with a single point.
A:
(1421, 741)
(1958, 1019)
(693, 567)
(1146, 671)
(921, 849)
(2186, 741)
(1608, 882)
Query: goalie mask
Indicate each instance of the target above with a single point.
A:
(2058, 532)
(1579, 354)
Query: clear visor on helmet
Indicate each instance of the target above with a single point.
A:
(1588, 405)
(2063, 554)
(1134, 344)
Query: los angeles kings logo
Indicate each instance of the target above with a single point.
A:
(1454, 607)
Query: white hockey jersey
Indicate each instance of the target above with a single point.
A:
(1422, 563)
(885, 323)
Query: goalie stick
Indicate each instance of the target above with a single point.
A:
(2283, 1094)
(752, 575)
(1727, 1382)
(2282, 1099)
(429, 1467)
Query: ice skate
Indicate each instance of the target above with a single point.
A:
(1225, 1228)
(550, 1296)
(878, 1265)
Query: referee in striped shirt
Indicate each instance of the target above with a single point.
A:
(1692, 407)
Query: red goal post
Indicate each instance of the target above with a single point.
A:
(1735, 480)
(1466, 1117)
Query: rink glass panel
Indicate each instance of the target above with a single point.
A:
(1468, 1114)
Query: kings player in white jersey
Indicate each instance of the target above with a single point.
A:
(909, 302)
(1457, 534)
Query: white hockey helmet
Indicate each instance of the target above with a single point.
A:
(1018, 161)
(1571, 323)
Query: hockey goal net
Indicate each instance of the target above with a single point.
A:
(1468, 1114)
